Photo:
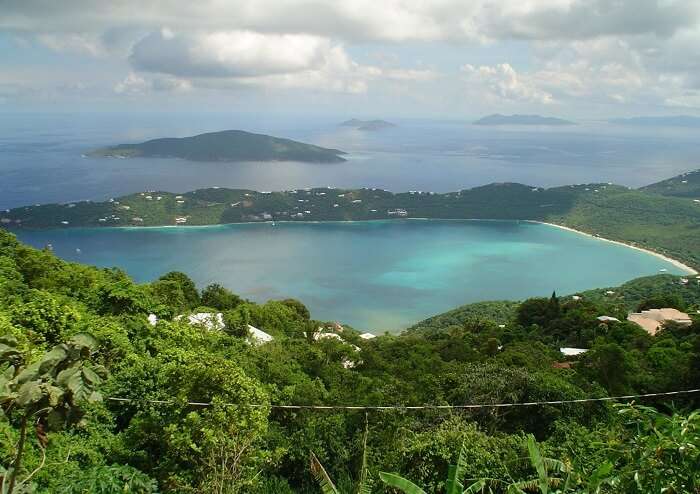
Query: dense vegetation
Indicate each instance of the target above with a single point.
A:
(227, 145)
(73, 338)
(666, 224)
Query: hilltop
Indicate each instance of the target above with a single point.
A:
(367, 124)
(498, 119)
(683, 185)
(227, 145)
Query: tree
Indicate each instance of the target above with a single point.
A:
(220, 298)
(187, 286)
(662, 301)
(49, 390)
(301, 310)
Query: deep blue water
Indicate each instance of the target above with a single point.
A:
(40, 155)
(375, 276)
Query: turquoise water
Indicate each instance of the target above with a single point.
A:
(377, 276)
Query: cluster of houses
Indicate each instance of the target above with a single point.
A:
(214, 321)
(651, 320)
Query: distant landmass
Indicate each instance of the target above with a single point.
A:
(665, 223)
(367, 124)
(671, 121)
(227, 145)
(684, 185)
(498, 119)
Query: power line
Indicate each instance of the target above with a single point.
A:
(408, 407)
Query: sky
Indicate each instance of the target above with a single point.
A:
(378, 58)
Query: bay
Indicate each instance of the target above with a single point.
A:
(377, 276)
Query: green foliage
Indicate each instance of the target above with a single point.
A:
(110, 480)
(220, 298)
(491, 354)
(182, 284)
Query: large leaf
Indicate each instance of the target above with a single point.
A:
(8, 353)
(456, 472)
(401, 483)
(322, 477)
(51, 360)
(539, 464)
(80, 386)
(29, 373)
(29, 393)
(55, 394)
(84, 341)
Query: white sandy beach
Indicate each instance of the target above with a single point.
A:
(675, 262)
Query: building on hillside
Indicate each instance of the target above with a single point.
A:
(572, 352)
(258, 337)
(397, 212)
(651, 320)
(367, 336)
(607, 319)
(208, 320)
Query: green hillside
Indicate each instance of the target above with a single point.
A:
(665, 224)
(95, 399)
(684, 185)
(227, 145)
(615, 301)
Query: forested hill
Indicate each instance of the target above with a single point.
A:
(227, 145)
(105, 389)
(613, 301)
(683, 185)
(666, 224)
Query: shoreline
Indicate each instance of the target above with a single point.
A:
(675, 262)
(670, 260)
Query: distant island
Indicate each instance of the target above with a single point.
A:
(669, 121)
(367, 124)
(498, 119)
(658, 217)
(226, 145)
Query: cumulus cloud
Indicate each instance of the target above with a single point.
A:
(228, 53)
(244, 58)
(135, 84)
(618, 51)
(394, 20)
(501, 81)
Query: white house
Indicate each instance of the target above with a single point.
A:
(571, 352)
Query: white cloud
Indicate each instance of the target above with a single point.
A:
(135, 84)
(393, 20)
(228, 53)
(501, 81)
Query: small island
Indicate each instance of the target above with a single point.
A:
(367, 124)
(226, 145)
(498, 119)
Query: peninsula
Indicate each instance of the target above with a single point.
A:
(498, 119)
(665, 224)
(227, 145)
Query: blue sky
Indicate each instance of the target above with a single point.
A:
(384, 58)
